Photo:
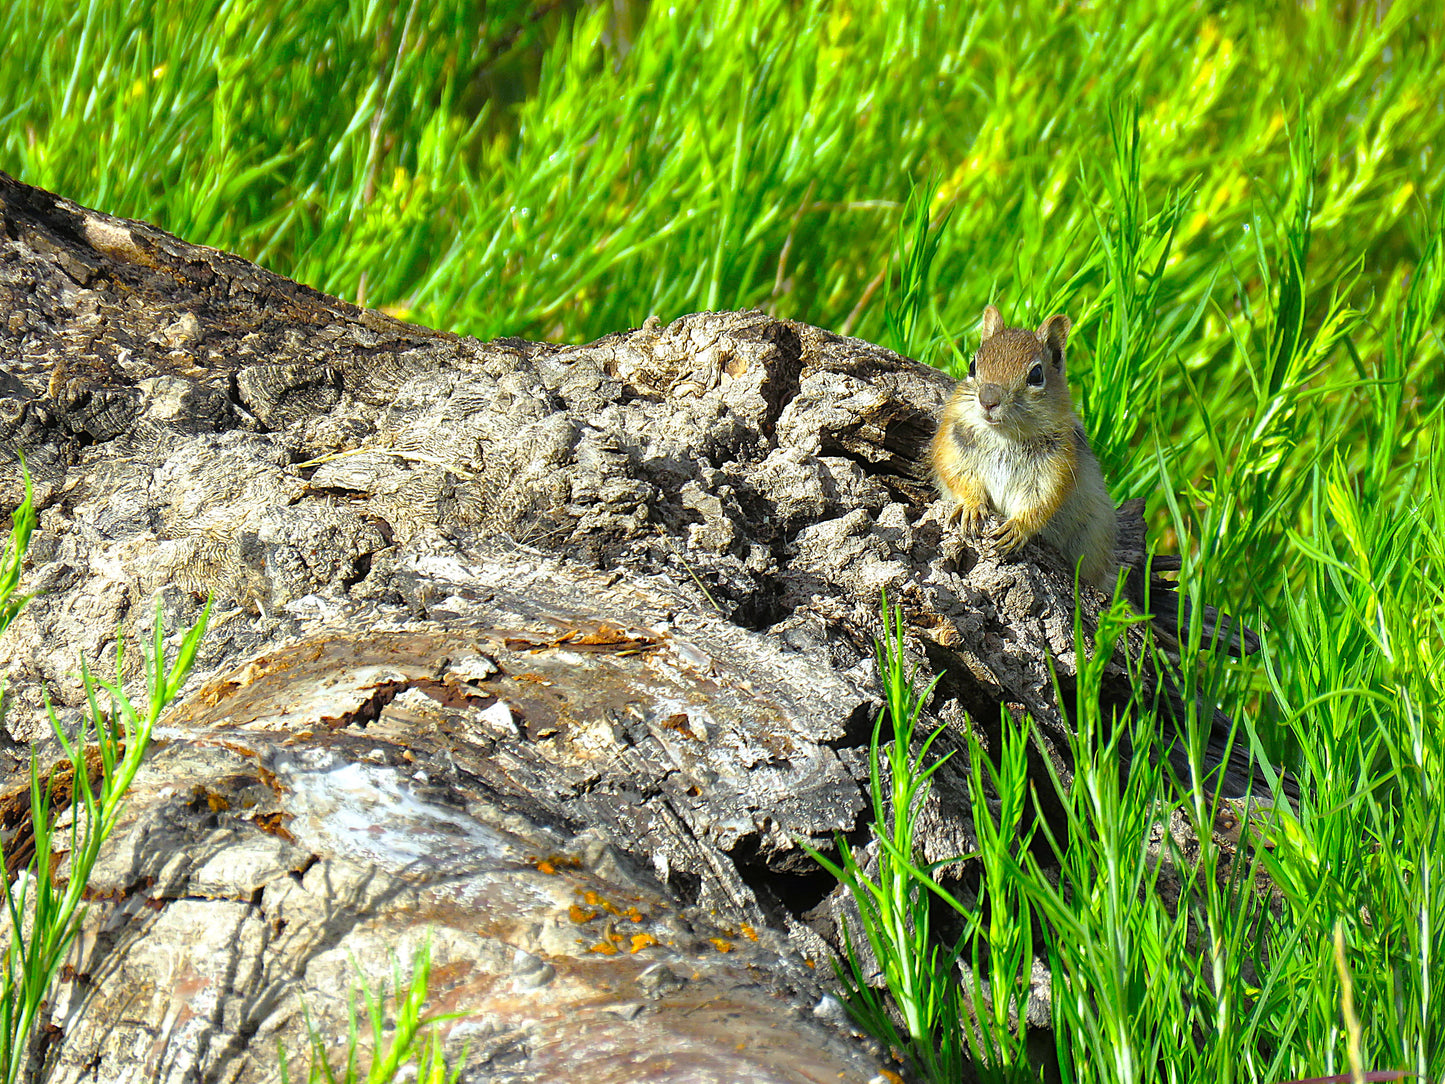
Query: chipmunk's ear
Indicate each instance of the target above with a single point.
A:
(992, 323)
(1052, 333)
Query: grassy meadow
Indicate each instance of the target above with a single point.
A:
(1241, 206)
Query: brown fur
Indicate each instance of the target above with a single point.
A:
(1016, 447)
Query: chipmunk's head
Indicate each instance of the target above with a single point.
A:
(1017, 380)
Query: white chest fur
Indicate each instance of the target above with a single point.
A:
(1009, 471)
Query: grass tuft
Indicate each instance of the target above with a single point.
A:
(44, 906)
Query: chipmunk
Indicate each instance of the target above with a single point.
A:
(1009, 441)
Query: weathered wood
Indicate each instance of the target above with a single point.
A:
(510, 638)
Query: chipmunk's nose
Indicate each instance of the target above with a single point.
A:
(989, 397)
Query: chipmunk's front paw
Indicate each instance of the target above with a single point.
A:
(1010, 535)
(967, 518)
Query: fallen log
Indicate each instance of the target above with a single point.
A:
(551, 654)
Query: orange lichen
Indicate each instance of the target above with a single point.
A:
(554, 862)
(271, 822)
(680, 723)
(592, 899)
(720, 944)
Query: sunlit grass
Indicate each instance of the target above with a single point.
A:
(1242, 209)
(403, 1043)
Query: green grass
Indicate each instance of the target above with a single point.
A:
(1242, 210)
(922, 1012)
(44, 907)
(404, 1043)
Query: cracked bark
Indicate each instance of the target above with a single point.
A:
(556, 651)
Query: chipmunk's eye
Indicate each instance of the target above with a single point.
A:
(972, 368)
(1036, 377)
